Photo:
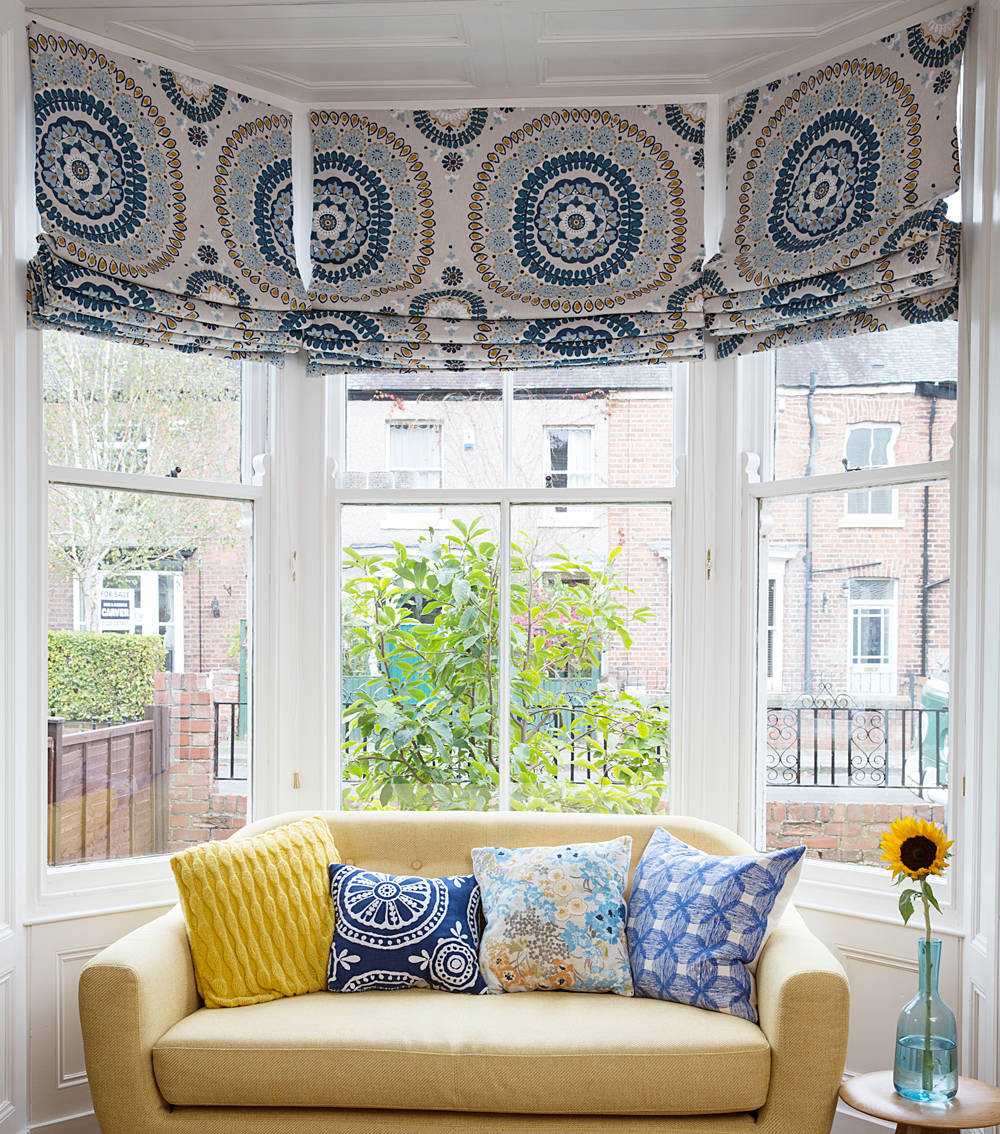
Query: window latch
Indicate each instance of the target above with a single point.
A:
(708, 565)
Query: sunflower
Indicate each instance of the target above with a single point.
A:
(915, 848)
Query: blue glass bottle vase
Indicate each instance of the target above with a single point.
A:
(926, 1067)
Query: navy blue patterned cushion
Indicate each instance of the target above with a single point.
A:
(396, 932)
(697, 922)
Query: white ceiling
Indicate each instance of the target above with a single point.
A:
(482, 52)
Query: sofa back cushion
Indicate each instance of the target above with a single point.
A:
(437, 844)
(259, 913)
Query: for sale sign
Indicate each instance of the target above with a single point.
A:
(116, 609)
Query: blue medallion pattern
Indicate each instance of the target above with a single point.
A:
(404, 932)
(194, 98)
(448, 303)
(489, 238)
(687, 121)
(253, 188)
(697, 922)
(109, 184)
(145, 173)
(581, 211)
(451, 128)
(373, 213)
(837, 198)
(937, 42)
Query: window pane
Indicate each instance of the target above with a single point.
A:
(857, 712)
(593, 428)
(139, 410)
(149, 704)
(419, 657)
(866, 402)
(590, 658)
(407, 435)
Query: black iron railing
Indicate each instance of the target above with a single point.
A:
(230, 729)
(844, 745)
(584, 752)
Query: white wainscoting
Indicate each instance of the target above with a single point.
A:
(58, 950)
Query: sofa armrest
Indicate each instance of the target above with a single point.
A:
(803, 1003)
(131, 994)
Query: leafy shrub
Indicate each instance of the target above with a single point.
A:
(422, 729)
(107, 676)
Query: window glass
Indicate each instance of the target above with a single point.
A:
(148, 673)
(610, 427)
(139, 410)
(420, 636)
(858, 691)
(863, 402)
(404, 433)
(590, 661)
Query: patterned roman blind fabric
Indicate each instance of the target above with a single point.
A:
(835, 212)
(166, 204)
(471, 239)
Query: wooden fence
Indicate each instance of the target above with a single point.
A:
(108, 790)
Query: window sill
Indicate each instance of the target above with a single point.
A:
(870, 522)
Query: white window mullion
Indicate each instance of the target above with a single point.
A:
(337, 446)
(503, 662)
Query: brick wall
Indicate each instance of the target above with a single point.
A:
(640, 452)
(840, 832)
(196, 811)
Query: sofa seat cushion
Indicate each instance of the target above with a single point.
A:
(422, 1049)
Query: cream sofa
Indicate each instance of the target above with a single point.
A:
(417, 1060)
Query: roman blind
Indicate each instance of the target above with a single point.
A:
(472, 239)
(166, 204)
(836, 221)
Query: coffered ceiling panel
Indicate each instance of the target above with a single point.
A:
(468, 52)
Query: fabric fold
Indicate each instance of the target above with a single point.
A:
(166, 203)
(836, 215)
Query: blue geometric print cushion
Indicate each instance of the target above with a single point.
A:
(697, 922)
(396, 932)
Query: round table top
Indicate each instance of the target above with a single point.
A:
(976, 1104)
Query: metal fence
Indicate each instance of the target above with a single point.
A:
(230, 740)
(577, 758)
(830, 745)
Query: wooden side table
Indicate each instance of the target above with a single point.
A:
(976, 1104)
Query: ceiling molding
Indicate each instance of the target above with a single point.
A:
(483, 52)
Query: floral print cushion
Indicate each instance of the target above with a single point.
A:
(555, 917)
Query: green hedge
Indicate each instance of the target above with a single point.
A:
(102, 675)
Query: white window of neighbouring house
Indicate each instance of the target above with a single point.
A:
(870, 446)
(414, 454)
(569, 457)
(873, 634)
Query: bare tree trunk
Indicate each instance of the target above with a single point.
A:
(90, 585)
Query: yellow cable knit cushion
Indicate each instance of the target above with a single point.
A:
(259, 913)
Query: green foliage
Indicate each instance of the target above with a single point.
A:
(422, 730)
(107, 676)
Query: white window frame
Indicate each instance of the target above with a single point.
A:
(148, 882)
(869, 519)
(505, 498)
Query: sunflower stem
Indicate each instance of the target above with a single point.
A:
(928, 1062)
